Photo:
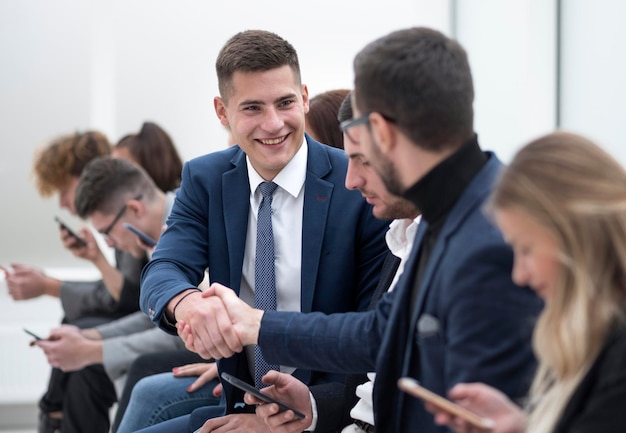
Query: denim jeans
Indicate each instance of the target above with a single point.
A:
(161, 397)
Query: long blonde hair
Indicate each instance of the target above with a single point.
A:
(578, 192)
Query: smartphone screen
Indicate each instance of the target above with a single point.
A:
(144, 237)
(255, 392)
(72, 233)
(412, 387)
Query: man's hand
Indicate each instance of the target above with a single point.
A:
(235, 423)
(290, 391)
(27, 282)
(90, 251)
(485, 401)
(67, 349)
(216, 323)
(206, 372)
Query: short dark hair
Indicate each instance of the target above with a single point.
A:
(253, 51)
(154, 150)
(106, 183)
(345, 109)
(420, 79)
(322, 117)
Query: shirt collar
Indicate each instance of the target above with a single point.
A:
(400, 234)
(290, 178)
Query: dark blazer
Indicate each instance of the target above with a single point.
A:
(597, 405)
(471, 323)
(343, 245)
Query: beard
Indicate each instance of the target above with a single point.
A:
(387, 172)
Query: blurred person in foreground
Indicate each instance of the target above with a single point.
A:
(561, 204)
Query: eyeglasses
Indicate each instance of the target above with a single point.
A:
(350, 123)
(107, 230)
(361, 120)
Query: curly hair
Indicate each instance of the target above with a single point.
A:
(65, 158)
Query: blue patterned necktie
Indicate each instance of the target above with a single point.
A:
(264, 272)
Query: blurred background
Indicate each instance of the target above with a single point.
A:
(109, 65)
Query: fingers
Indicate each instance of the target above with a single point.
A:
(203, 379)
(215, 336)
(217, 391)
(195, 369)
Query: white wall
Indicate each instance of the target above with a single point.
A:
(593, 82)
(111, 64)
(512, 52)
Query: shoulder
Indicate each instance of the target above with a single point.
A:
(221, 159)
(323, 160)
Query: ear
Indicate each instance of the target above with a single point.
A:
(220, 110)
(305, 98)
(136, 207)
(384, 132)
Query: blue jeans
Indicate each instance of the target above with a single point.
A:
(161, 397)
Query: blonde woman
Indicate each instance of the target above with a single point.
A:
(561, 204)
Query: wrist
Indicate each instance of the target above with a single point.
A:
(95, 353)
(52, 287)
(91, 334)
(253, 328)
(176, 302)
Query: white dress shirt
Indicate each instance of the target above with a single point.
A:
(399, 238)
(287, 210)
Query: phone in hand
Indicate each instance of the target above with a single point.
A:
(412, 387)
(238, 383)
(144, 237)
(32, 334)
(72, 233)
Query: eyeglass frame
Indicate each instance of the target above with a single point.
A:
(121, 212)
(361, 120)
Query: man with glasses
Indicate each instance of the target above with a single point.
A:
(110, 193)
(455, 315)
(57, 168)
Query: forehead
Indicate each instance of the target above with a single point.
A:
(351, 149)
(263, 86)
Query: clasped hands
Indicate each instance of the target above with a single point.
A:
(216, 323)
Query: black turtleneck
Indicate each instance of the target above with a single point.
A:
(436, 193)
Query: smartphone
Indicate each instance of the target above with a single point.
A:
(72, 233)
(412, 387)
(32, 334)
(144, 237)
(255, 392)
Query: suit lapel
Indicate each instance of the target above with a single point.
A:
(473, 196)
(236, 205)
(317, 197)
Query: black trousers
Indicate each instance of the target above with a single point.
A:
(84, 397)
(147, 365)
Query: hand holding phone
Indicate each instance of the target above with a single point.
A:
(237, 383)
(412, 387)
(144, 237)
(72, 233)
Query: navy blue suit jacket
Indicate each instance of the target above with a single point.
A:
(471, 323)
(343, 245)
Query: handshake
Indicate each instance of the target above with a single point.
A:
(216, 323)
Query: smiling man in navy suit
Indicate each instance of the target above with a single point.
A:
(455, 315)
(328, 247)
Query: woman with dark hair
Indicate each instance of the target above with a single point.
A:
(321, 121)
(153, 149)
